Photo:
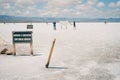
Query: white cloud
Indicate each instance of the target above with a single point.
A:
(118, 3)
(7, 1)
(18, 12)
(61, 4)
(60, 7)
(83, 7)
(100, 4)
(88, 11)
(66, 10)
(25, 3)
(112, 4)
(27, 12)
(91, 2)
(6, 6)
(57, 8)
(114, 13)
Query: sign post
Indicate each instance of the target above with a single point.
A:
(22, 37)
(30, 26)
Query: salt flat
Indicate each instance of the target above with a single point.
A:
(89, 52)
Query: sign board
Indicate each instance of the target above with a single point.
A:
(29, 26)
(22, 37)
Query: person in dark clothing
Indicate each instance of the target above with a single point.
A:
(74, 24)
(54, 25)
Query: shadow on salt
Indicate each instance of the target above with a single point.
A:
(58, 67)
(29, 55)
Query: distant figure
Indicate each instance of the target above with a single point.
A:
(54, 25)
(105, 22)
(74, 24)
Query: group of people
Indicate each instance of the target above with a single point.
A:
(54, 25)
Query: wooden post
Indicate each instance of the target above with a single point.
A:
(31, 49)
(14, 50)
(31, 45)
(50, 54)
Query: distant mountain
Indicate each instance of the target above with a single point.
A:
(14, 19)
(6, 18)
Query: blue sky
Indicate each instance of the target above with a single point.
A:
(61, 8)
